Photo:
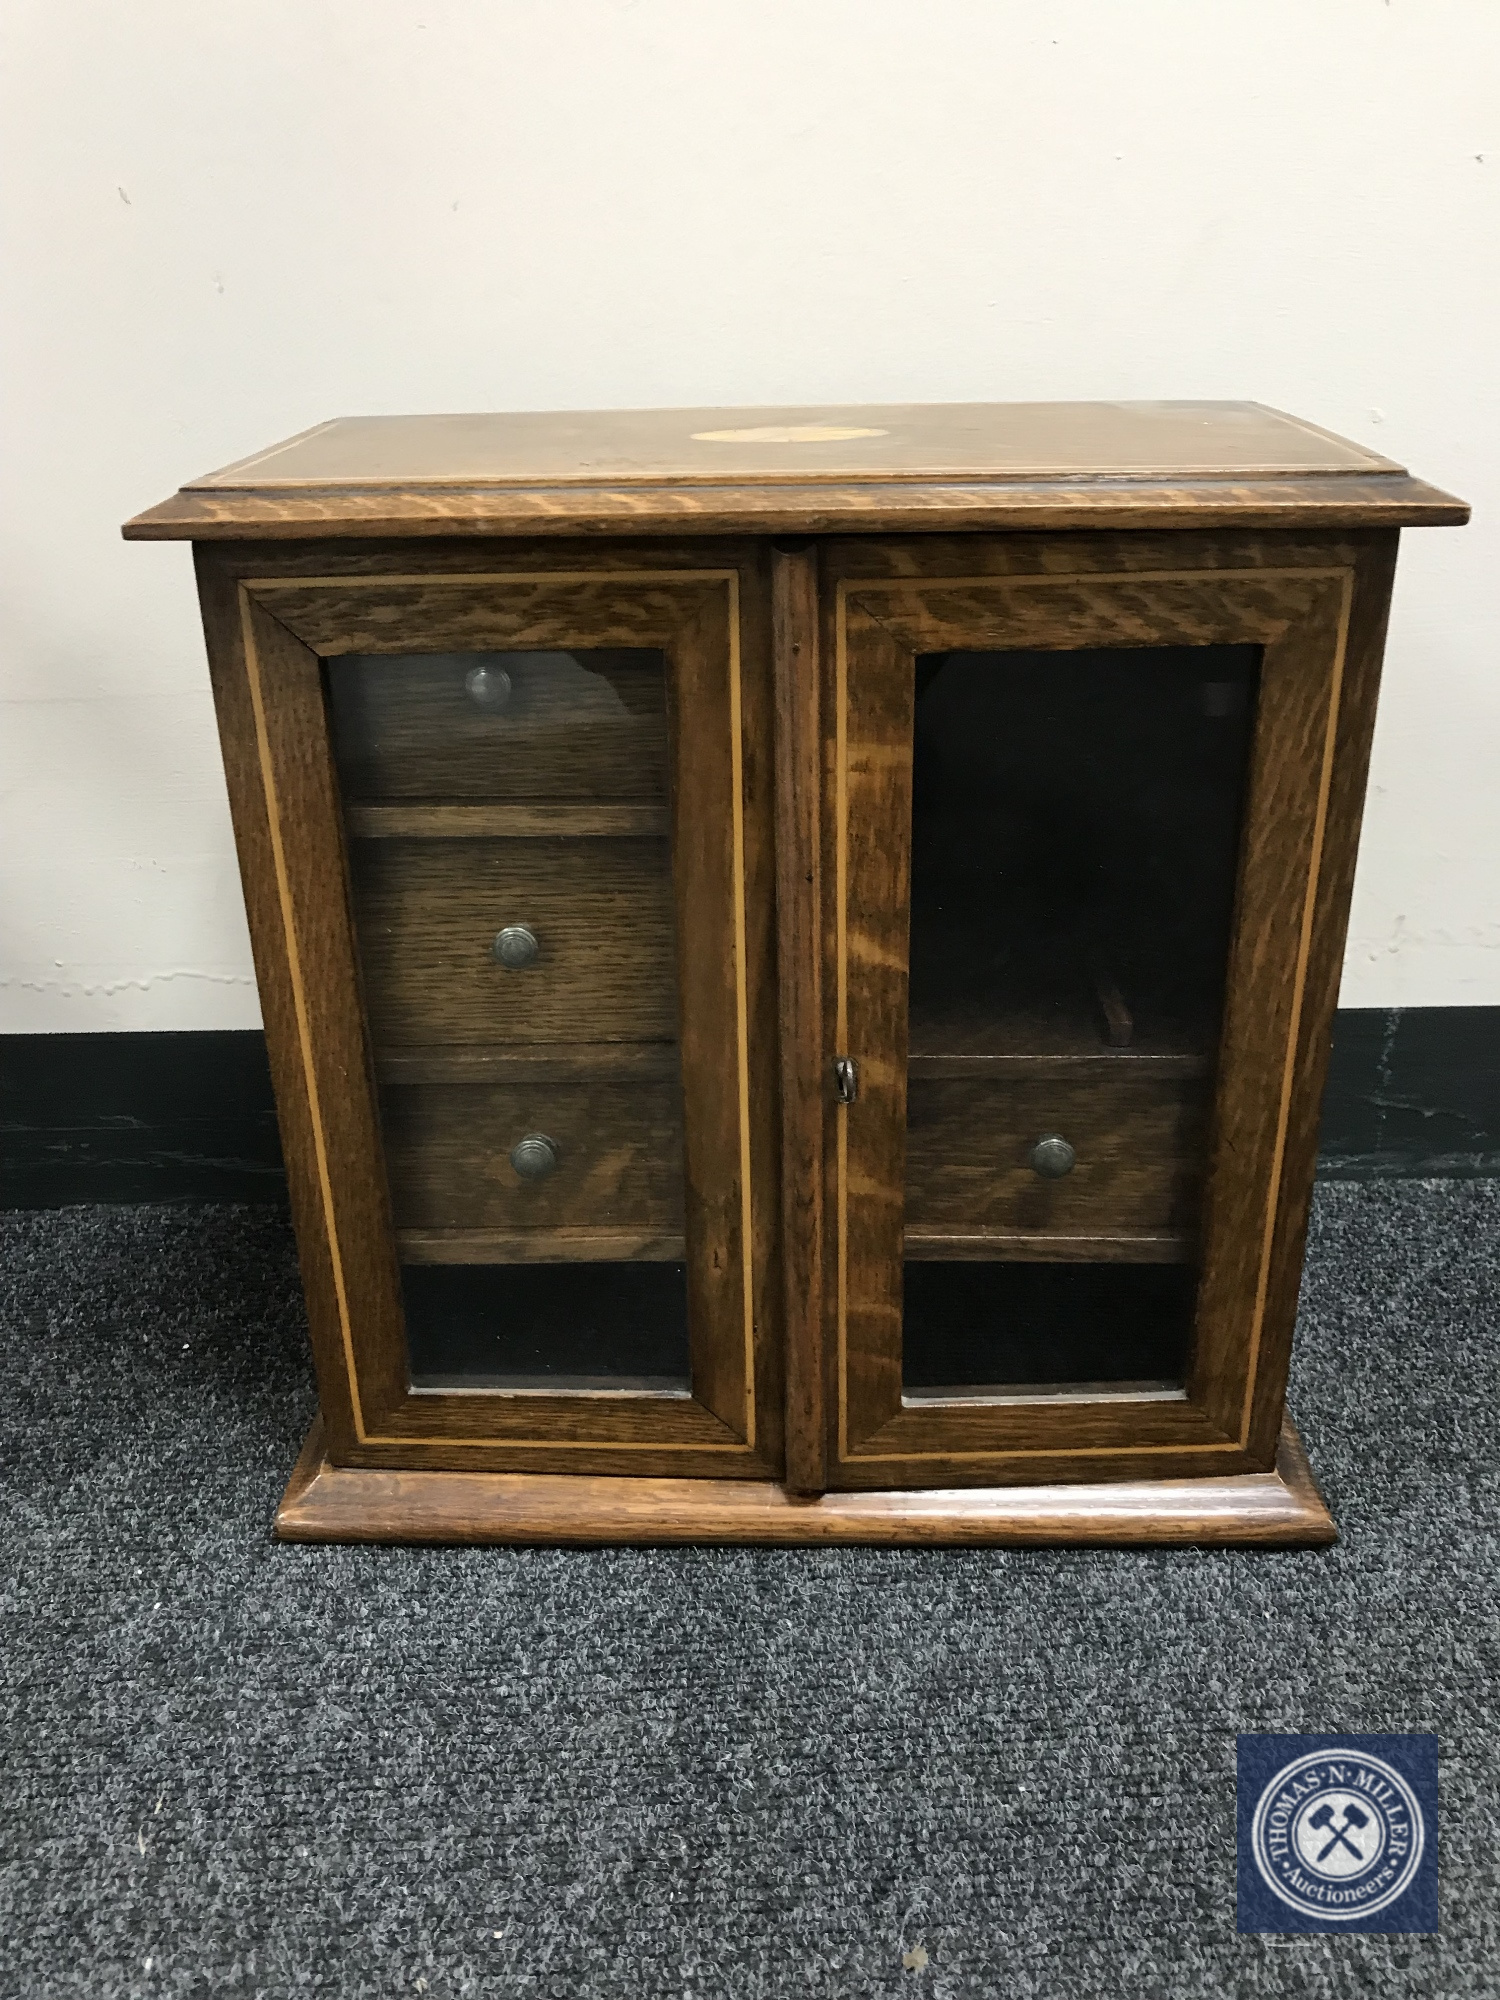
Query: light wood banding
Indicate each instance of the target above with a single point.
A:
(1281, 1508)
(804, 1052)
(671, 848)
(886, 468)
(691, 612)
(1108, 597)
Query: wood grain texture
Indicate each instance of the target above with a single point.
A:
(1319, 501)
(619, 1148)
(1148, 550)
(1347, 750)
(484, 1429)
(872, 715)
(1139, 1143)
(706, 717)
(1032, 598)
(556, 1062)
(1106, 1066)
(695, 615)
(587, 609)
(506, 822)
(625, 560)
(787, 445)
(588, 725)
(256, 844)
(993, 466)
(325, 1503)
(927, 1244)
(1283, 845)
(428, 911)
(269, 694)
(1119, 1023)
(678, 734)
(804, 1053)
(586, 1245)
(758, 914)
(1061, 1031)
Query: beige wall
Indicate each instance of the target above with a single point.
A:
(224, 222)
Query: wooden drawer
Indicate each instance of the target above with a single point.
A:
(428, 911)
(588, 725)
(619, 1164)
(1139, 1143)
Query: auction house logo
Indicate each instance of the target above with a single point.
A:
(1337, 1832)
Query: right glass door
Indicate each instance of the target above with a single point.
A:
(1074, 832)
(1076, 822)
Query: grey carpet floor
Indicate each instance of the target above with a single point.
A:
(233, 1768)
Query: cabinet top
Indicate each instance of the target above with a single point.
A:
(845, 468)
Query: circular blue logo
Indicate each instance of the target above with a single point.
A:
(1338, 1834)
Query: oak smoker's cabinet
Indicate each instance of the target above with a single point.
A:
(798, 951)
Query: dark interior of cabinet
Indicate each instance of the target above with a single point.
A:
(548, 1326)
(1076, 825)
(1075, 834)
(972, 1327)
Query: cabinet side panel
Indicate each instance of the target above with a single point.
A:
(1374, 572)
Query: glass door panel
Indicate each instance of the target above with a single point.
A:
(506, 816)
(1076, 821)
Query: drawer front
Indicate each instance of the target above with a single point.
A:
(618, 1151)
(1138, 1145)
(590, 725)
(428, 913)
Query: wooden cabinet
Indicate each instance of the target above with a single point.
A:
(798, 952)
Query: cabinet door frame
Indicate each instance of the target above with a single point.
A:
(271, 617)
(1317, 606)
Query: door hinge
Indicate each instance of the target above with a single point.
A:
(845, 1078)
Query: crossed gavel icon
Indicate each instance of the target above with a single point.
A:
(1352, 1817)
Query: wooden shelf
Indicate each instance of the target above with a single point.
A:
(1025, 1393)
(968, 1040)
(562, 1062)
(995, 1066)
(538, 1246)
(933, 1247)
(598, 1388)
(508, 822)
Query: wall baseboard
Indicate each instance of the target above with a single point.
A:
(1413, 1092)
(114, 1118)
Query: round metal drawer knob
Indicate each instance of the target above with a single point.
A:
(488, 687)
(1052, 1156)
(515, 947)
(534, 1157)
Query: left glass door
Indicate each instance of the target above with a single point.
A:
(510, 865)
(518, 949)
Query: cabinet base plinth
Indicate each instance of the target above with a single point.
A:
(330, 1503)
